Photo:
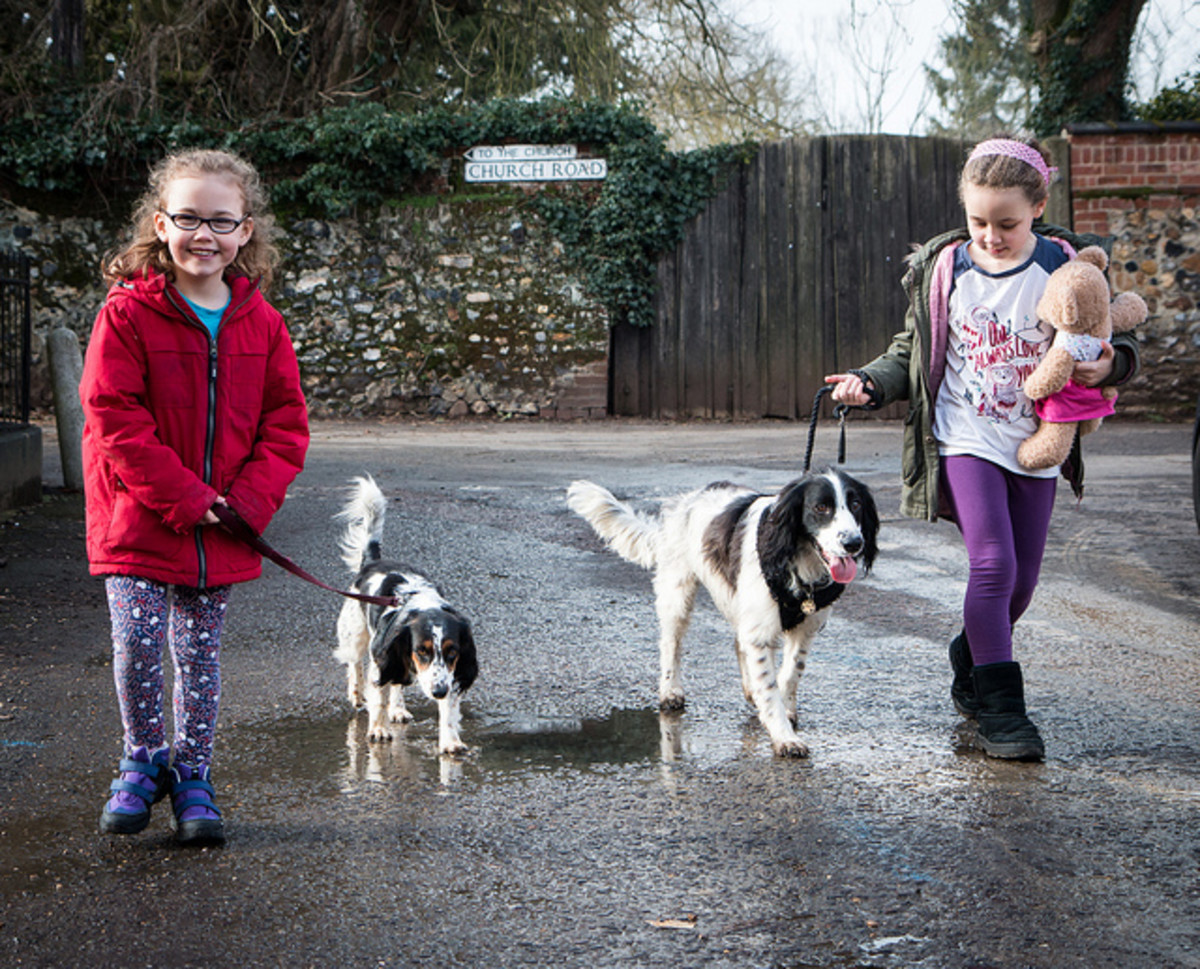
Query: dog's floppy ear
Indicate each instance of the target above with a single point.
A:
(868, 519)
(779, 532)
(467, 667)
(391, 649)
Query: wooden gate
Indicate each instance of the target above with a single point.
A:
(792, 272)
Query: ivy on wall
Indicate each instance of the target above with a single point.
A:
(357, 158)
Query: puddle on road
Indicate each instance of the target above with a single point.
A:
(512, 747)
(532, 743)
(503, 747)
(501, 750)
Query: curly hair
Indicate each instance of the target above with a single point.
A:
(1005, 171)
(145, 251)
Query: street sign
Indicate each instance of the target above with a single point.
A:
(531, 163)
(518, 152)
(538, 170)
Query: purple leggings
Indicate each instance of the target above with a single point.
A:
(146, 616)
(1004, 518)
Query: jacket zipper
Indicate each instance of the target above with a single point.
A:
(210, 425)
(209, 435)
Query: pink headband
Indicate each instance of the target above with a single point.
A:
(1014, 149)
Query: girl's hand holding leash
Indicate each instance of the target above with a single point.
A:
(209, 517)
(849, 388)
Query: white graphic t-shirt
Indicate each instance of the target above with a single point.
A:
(995, 341)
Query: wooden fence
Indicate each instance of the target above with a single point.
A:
(792, 272)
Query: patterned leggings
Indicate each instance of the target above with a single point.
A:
(146, 616)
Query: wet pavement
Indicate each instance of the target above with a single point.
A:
(584, 829)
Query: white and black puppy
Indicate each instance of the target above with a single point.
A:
(773, 564)
(421, 638)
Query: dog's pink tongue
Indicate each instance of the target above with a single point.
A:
(843, 569)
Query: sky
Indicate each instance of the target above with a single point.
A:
(810, 31)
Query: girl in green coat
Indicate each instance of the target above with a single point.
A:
(971, 337)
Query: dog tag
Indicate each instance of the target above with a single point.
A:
(808, 607)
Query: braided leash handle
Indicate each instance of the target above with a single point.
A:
(839, 411)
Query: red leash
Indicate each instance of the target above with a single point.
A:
(237, 526)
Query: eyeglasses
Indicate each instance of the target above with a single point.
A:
(221, 225)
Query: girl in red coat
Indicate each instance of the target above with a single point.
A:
(191, 397)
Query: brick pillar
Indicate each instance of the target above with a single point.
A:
(581, 394)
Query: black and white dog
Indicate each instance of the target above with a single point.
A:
(421, 638)
(773, 564)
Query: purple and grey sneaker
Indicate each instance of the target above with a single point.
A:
(197, 819)
(143, 782)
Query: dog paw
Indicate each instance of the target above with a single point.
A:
(454, 749)
(790, 749)
(380, 735)
(400, 716)
(671, 703)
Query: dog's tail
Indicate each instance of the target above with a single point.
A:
(362, 541)
(630, 534)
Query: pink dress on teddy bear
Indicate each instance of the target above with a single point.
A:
(1076, 402)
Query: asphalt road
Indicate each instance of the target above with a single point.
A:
(583, 829)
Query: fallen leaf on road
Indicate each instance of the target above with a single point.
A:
(687, 922)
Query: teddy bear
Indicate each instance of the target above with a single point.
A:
(1077, 305)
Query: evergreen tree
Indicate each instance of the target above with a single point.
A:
(987, 84)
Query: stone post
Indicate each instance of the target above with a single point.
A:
(66, 370)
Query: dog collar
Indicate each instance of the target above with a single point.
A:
(794, 607)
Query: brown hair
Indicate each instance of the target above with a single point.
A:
(145, 251)
(1004, 171)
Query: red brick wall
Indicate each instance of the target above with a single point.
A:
(1115, 171)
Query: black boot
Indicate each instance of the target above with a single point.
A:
(1004, 730)
(962, 690)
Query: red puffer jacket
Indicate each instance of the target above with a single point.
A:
(173, 419)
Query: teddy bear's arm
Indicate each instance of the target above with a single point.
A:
(1051, 374)
(1128, 310)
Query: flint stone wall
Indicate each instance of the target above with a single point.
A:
(1156, 254)
(451, 309)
